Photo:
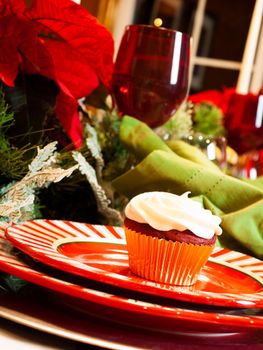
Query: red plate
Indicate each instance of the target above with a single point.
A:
(130, 311)
(35, 314)
(99, 252)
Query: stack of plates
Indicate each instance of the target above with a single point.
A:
(87, 268)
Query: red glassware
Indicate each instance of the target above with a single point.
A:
(244, 122)
(151, 73)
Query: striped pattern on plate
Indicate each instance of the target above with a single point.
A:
(71, 246)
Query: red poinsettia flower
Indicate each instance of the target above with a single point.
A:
(242, 116)
(218, 98)
(61, 41)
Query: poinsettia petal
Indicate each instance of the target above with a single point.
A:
(71, 23)
(8, 7)
(62, 41)
(37, 59)
(9, 41)
(79, 78)
(8, 62)
(218, 98)
(66, 110)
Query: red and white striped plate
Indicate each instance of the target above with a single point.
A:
(99, 252)
(129, 311)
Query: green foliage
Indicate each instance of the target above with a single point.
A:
(116, 157)
(32, 101)
(73, 198)
(179, 125)
(6, 120)
(12, 165)
(208, 119)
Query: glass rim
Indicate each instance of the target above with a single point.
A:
(149, 27)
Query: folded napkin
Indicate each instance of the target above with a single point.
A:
(184, 168)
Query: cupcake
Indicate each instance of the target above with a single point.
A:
(169, 237)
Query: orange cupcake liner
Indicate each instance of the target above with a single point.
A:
(165, 261)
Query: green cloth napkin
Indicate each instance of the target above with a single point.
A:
(238, 203)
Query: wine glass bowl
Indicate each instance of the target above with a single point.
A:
(244, 122)
(151, 73)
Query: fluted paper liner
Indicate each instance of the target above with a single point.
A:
(165, 261)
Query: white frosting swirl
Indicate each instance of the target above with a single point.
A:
(166, 211)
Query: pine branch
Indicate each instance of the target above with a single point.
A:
(19, 197)
(12, 165)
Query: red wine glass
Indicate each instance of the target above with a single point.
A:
(151, 73)
(244, 122)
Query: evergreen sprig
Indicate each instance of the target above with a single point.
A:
(179, 125)
(116, 157)
(12, 165)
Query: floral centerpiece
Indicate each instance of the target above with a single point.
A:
(58, 48)
(56, 64)
(53, 53)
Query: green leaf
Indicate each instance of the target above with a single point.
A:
(32, 100)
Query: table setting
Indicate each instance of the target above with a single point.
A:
(196, 312)
(81, 142)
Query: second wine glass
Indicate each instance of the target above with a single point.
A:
(151, 73)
